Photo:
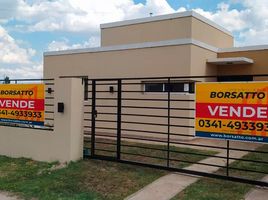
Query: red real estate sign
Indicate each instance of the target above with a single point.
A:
(232, 111)
(22, 103)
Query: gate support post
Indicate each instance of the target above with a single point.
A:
(227, 157)
(119, 104)
(93, 115)
(69, 123)
(168, 139)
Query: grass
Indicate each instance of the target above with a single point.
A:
(210, 189)
(87, 179)
(83, 180)
(151, 153)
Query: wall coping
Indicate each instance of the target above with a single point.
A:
(245, 48)
(166, 17)
(176, 42)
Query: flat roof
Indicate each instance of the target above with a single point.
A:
(166, 17)
(245, 48)
(230, 61)
(157, 44)
(135, 46)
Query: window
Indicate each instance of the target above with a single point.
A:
(153, 87)
(172, 87)
(177, 87)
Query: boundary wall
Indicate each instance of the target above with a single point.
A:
(64, 143)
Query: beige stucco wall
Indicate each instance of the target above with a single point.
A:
(147, 32)
(260, 65)
(64, 143)
(169, 61)
(199, 66)
(210, 35)
(146, 62)
(178, 28)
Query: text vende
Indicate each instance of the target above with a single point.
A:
(234, 111)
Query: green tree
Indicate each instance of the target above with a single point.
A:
(6, 80)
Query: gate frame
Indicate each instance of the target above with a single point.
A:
(117, 158)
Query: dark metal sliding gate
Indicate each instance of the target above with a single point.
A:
(150, 122)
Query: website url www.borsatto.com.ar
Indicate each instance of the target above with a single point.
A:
(236, 137)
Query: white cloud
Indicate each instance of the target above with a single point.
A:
(253, 37)
(33, 71)
(85, 16)
(229, 19)
(78, 15)
(65, 44)
(11, 52)
(15, 61)
(59, 45)
(250, 24)
(8, 8)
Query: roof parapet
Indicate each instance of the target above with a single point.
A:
(245, 48)
(166, 17)
(135, 46)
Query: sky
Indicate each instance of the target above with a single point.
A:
(28, 28)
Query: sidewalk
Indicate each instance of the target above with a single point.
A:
(6, 196)
(258, 193)
(164, 188)
(170, 185)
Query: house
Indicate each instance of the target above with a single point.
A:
(180, 44)
(183, 44)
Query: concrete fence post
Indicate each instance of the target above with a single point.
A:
(69, 124)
